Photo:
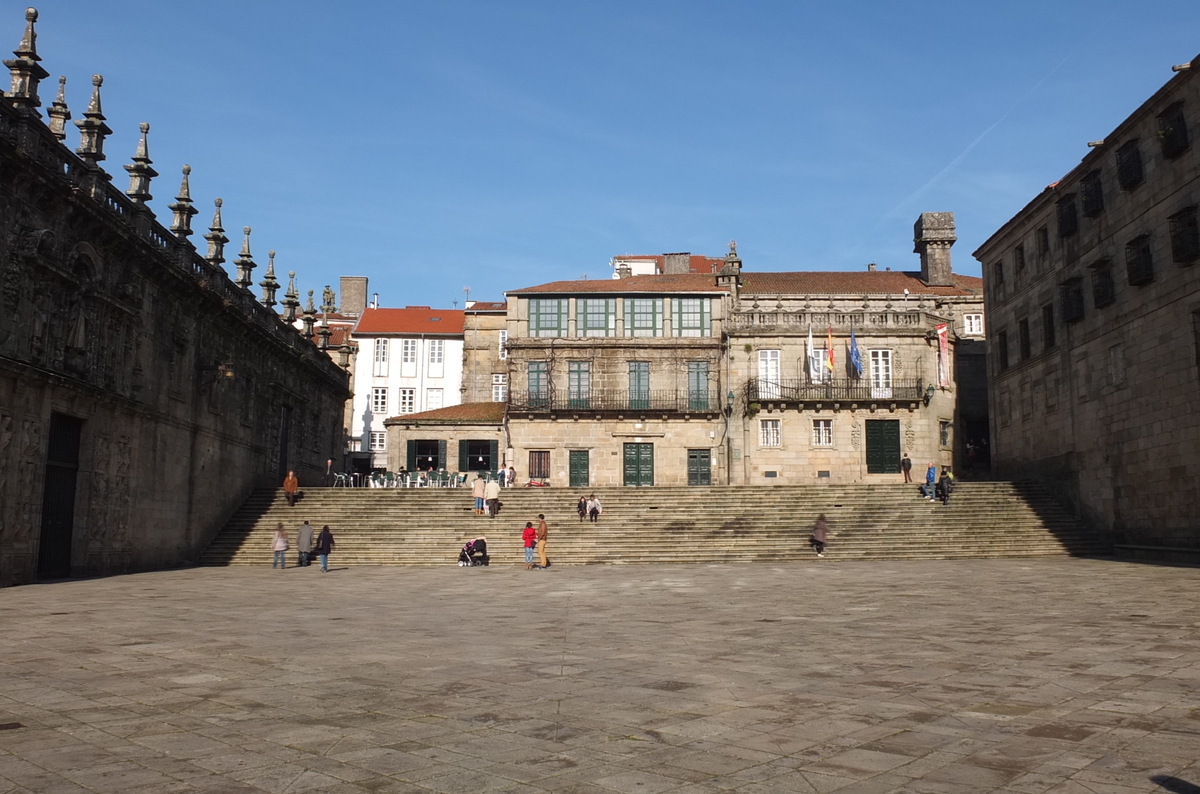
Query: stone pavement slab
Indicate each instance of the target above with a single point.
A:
(1053, 675)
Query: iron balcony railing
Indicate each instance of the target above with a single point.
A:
(760, 390)
(616, 400)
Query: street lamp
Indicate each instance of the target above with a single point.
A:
(929, 392)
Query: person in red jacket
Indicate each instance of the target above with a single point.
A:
(530, 538)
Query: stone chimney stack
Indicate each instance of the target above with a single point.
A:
(677, 263)
(624, 270)
(933, 234)
(354, 294)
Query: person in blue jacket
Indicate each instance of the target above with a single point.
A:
(930, 481)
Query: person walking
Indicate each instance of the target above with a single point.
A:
(529, 537)
(945, 485)
(906, 467)
(582, 509)
(594, 508)
(280, 546)
(291, 488)
(512, 476)
(541, 541)
(304, 541)
(491, 495)
(930, 479)
(324, 546)
(477, 492)
(820, 535)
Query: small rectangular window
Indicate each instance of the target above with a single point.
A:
(381, 358)
(379, 400)
(1104, 291)
(503, 351)
(1002, 349)
(1048, 338)
(1043, 241)
(1071, 292)
(1139, 261)
(1019, 256)
(769, 433)
(944, 437)
(1129, 165)
(972, 324)
(433, 399)
(822, 433)
(998, 273)
(437, 349)
(499, 387)
(378, 442)
(408, 351)
(1068, 215)
(408, 401)
(1185, 237)
(1172, 131)
(1023, 344)
(539, 464)
(1091, 194)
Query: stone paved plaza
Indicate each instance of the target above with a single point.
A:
(955, 676)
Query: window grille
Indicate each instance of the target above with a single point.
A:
(1002, 348)
(539, 464)
(1019, 256)
(1185, 237)
(769, 433)
(1072, 300)
(1023, 344)
(1139, 261)
(1091, 194)
(1068, 216)
(998, 272)
(822, 433)
(1104, 290)
(1129, 165)
(944, 433)
(1172, 131)
(1048, 338)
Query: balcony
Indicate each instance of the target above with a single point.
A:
(617, 401)
(858, 390)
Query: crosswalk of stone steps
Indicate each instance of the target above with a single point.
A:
(671, 524)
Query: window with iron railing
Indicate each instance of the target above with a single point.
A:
(1068, 215)
(1091, 194)
(579, 383)
(639, 384)
(1129, 165)
(1139, 260)
(539, 384)
(1071, 294)
(1185, 237)
(1172, 131)
(1019, 256)
(1104, 290)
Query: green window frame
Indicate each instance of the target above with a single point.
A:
(547, 317)
(539, 384)
(691, 317)
(595, 316)
(643, 317)
(639, 385)
(698, 386)
(579, 384)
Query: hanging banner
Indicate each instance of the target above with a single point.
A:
(943, 355)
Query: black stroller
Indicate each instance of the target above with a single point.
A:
(474, 553)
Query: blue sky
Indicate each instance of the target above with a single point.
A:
(432, 146)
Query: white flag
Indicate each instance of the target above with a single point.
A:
(812, 375)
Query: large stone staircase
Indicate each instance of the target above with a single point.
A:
(675, 524)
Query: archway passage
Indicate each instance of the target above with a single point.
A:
(58, 497)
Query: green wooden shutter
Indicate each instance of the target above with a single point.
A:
(412, 455)
(464, 459)
(494, 454)
(441, 455)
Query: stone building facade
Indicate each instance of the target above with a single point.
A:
(143, 393)
(1093, 290)
(485, 352)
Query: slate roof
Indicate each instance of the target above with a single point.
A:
(852, 282)
(411, 320)
(467, 413)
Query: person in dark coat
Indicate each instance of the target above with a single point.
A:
(906, 467)
(304, 543)
(582, 509)
(820, 534)
(945, 485)
(323, 547)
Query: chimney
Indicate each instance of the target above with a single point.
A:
(624, 270)
(677, 263)
(933, 234)
(354, 294)
(870, 267)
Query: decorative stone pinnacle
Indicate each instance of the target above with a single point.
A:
(140, 172)
(182, 210)
(244, 262)
(216, 238)
(25, 69)
(92, 129)
(269, 284)
(310, 316)
(58, 112)
(291, 300)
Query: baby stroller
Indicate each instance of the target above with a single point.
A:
(474, 553)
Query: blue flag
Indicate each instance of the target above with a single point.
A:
(855, 356)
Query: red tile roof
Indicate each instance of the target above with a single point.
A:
(410, 320)
(488, 306)
(852, 282)
(697, 263)
(470, 413)
(683, 282)
(338, 335)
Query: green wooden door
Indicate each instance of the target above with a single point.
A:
(578, 468)
(699, 467)
(883, 446)
(639, 464)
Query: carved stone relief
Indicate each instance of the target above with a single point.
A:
(855, 434)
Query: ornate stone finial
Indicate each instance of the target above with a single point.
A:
(733, 247)
(182, 210)
(58, 112)
(291, 300)
(324, 332)
(92, 129)
(733, 263)
(244, 262)
(140, 172)
(269, 284)
(310, 316)
(216, 238)
(25, 69)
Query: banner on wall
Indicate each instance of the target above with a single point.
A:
(943, 355)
